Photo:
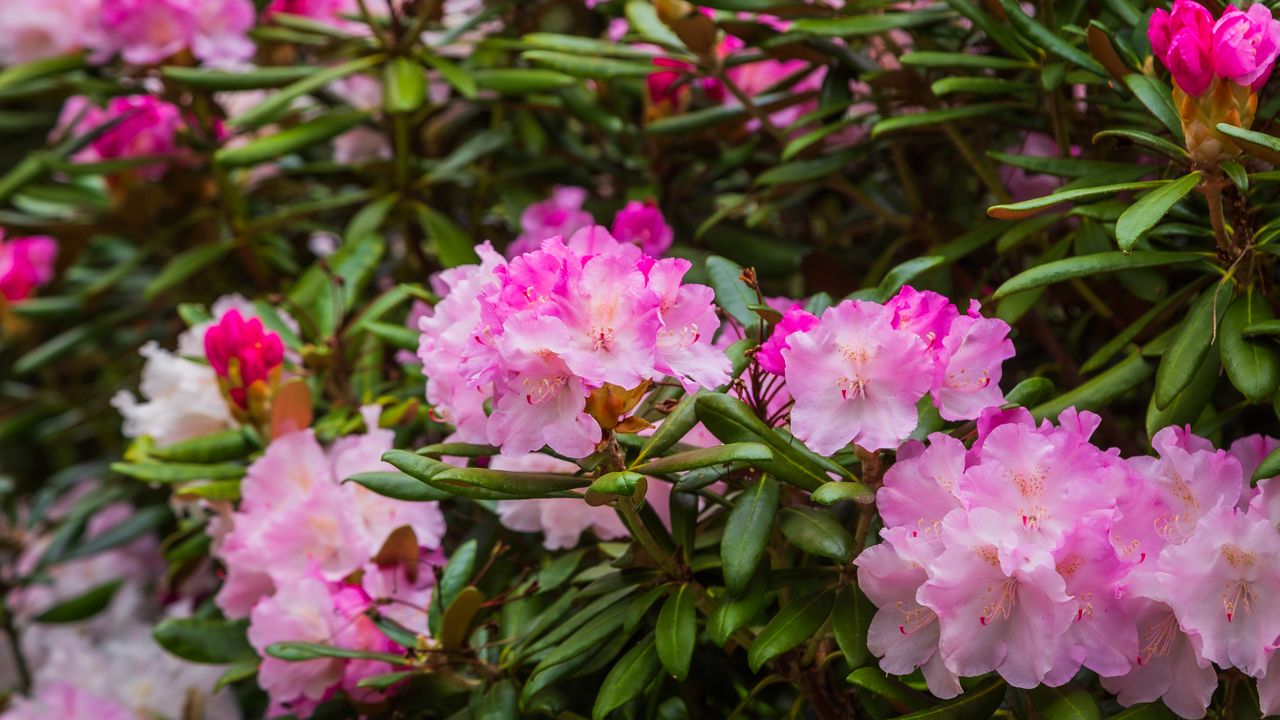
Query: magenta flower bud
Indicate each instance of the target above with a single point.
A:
(770, 354)
(1183, 41)
(25, 264)
(255, 351)
(641, 223)
(1245, 45)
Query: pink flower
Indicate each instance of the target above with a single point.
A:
(1183, 40)
(38, 30)
(144, 126)
(968, 370)
(301, 611)
(561, 214)
(65, 701)
(1189, 485)
(243, 352)
(687, 327)
(1246, 44)
(1001, 604)
(904, 634)
(925, 313)
(26, 263)
(855, 379)
(561, 520)
(146, 32)
(1221, 582)
(770, 353)
(642, 223)
(1168, 666)
(919, 490)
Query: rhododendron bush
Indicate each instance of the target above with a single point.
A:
(639, 359)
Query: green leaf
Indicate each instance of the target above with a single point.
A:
(1027, 208)
(874, 680)
(628, 678)
(1146, 212)
(579, 45)
(979, 86)
(303, 651)
(1096, 393)
(215, 447)
(225, 80)
(977, 704)
(1268, 468)
(455, 623)
(1126, 336)
(239, 670)
(643, 18)
(278, 103)
(398, 486)
(794, 624)
(622, 483)
(472, 149)
(1042, 37)
(746, 533)
(817, 532)
(1029, 392)
(1239, 176)
(214, 642)
(1252, 365)
(83, 606)
(459, 78)
(143, 521)
(1145, 139)
(179, 472)
(748, 452)
(290, 140)
(1068, 702)
(915, 121)
(404, 85)
(998, 30)
(1158, 98)
(932, 59)
(1088, 265)
(456, 449)
(674, 426)
(732, 294)
(850, 622)
(558, 571)
(384, 681)
(799, 171)
(394, 335)
(836, 492)
(451, 245)
(1146, 711)
(733, 613)
(676, 631)
(592, 68)
(1266, 327)
(210, 490)
(521, 81)
(598, 628)
(1261, 145)
(43, 67)
(453, 579)
(184, 265)
(730, 420)
(868, 24)
(1191, 343)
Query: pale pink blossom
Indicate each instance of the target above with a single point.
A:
(38, 30)
(1168, 666)
(968, 370)
(300, 611)
(1246, 44)
(146, 32)
(561, 214)
(65, 701)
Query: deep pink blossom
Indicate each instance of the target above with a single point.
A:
(141, 126)
(793, 320)
(243, 353)
(1246, 44)
(146, 32)
(561, 214)
(26, 263)
(1183, 40)
(642, 223)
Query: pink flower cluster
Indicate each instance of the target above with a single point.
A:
(638, 223)
(1241, 46)
(302, 555)
(26, 263)
(143, 32)
(141, 126)
(1035, 553)
(535, 336)
(858, 372)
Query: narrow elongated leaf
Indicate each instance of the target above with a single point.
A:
(1262, 145)
(451, 245)
(628, 678)
(278, 103)
(212, 448)
(915, 121)
(398, 486)
(1045, 38)
(859, 25)
(302, 651)
(817, 532)
(179, 472)
(1027, 208)
(977, 704)
(998, 30)
(224, 80)
(747, 452)
(82, 606)
(794, 624)
(456, 621)
(746, 532)
(1157, 97)
(1068, 702)
(962, 60)
(732, 421)
(1029, 392)
(1268, 468)
(583, 66)
(732, 295)
(850, 621)
(290, 140)
(835, 492)
(733, 613)
(1252, 365)
(874, 680)
(143, 521)
(521, 81)
(1146, 212)
(1088, 265)
(674, 426)
(676, 631)
(1096, 393)
(205, 641)
(1191, 343)
(1145, 139)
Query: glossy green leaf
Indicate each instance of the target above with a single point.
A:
(205, 641)
(915, 121)
(404, 85)
(1090, 265)
(1096, 393)
(867, 24)
(593, 68)
(733, 613)
(1030, 392)
(795, 623)
(746, 533)
(1145, 139)
(450, 243)
(521, 81)
(1252, 365)
(278, 103)
(82, 606)
(628, 678)
(682, 418)
(1268, 468)
(732, 294)
(850, 622)
(1044, 38)
(215, 447)
(874, 680)
(1157, 97)
(732, 421)
(933, 59)
(1150, 209)
(817, 532)
(231, 80)
(298, 137)
(746, 452)
(1262, 145)
(1191, 343)
(398, 486)
(676, 631)
(1067, 702)
(302, 651)
(979, 703)
(179, 472)
(1027, 208)
(835, 492)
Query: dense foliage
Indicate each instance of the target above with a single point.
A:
(639, 359)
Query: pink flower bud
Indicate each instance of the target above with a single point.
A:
(770, 354)
(1245, 45)
(1183, 41)
(642, 223)
(25, 264)
(255, 350)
